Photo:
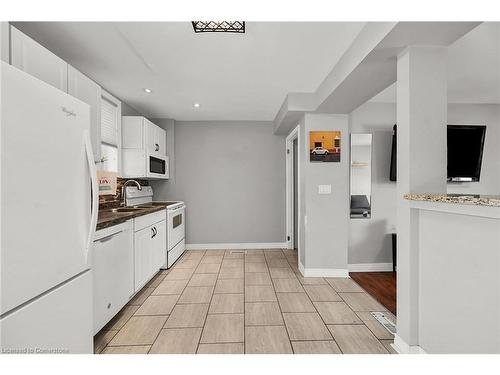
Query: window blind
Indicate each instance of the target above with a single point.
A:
(109, 122)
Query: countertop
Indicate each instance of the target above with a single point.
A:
(475, 200)
(109, 217)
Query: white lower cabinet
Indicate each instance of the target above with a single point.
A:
(159, 245)
(125, 258)
(113, 271)
(150, 242)
(143, 257)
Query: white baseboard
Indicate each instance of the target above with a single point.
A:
(370, 267)
(324, 272)
(237, 246)
(301, 268)
(403, 348)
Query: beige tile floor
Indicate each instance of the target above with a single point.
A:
(223, 301)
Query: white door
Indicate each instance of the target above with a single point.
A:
(161, 139)
(83, 88)
(159, 245)
(152, 146)
(38, 61)
(143, 256)
(46, 187)
(113, 271)
(60, 320)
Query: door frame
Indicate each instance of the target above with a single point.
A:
(294, 135)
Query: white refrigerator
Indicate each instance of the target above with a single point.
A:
(48, 200)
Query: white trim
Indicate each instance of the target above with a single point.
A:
(294, 134)
(239, 246)
(370, 267)
(324, 272)
(301, 268)
(403, 348)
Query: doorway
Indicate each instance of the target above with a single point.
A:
(295, 194)
(293, 221)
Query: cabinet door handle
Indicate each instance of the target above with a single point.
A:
(69, 112)
(157, 147)
(156, 231)
(107, 238)
(153, 231)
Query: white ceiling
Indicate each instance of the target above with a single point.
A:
(473, 68)
(232, 76)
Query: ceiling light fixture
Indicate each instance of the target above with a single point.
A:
(148, 91)
(196, 105)
(219, 26)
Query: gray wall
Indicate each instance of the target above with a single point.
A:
(448, 245)
(326, 231)
(231, 174)
(369, 239)
(127, 110)
(448, 251)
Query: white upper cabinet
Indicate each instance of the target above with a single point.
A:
(144, 149)
(83, 88)
(5, 42)
(34, 59)
(155, 139)
(133, 133)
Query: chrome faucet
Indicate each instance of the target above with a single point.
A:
(123, 189)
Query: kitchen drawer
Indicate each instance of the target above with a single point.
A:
(175, 253)
(142, 222)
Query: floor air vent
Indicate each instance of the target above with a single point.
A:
(382, 319)
(238, 252)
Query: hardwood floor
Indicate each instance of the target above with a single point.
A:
(380, 285)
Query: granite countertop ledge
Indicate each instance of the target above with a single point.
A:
(475, 200)
(106, 218)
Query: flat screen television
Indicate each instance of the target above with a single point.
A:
(465, 152)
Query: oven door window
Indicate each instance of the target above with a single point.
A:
(156, 165)
(176, 221)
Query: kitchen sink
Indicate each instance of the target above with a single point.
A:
(149, 205)
(125, 209)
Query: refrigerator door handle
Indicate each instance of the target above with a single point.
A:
(95, 192)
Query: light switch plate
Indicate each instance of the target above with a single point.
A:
(324, 189)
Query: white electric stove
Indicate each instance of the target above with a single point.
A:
(176, 211)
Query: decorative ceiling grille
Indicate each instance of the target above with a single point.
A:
(218, 27)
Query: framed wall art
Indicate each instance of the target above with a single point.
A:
(324, 146)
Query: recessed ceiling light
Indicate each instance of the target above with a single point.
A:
(148, 90)
(196, 105)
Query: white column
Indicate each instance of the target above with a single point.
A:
(421, 164)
